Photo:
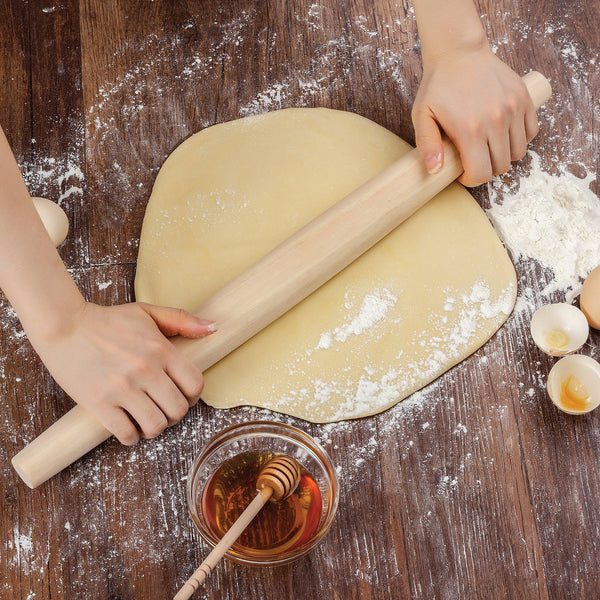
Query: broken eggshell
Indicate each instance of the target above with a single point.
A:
(559, 329)
(574, 384)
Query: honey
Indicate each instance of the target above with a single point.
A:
(279, 527)
(573, 394)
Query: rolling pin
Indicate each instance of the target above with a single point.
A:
(276, 283)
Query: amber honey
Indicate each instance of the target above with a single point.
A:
(279, 527)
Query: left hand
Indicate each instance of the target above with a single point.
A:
(484, 108)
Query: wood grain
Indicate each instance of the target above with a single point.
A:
(476, 488)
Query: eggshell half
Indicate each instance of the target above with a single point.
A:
(559, 321)
(586, 370)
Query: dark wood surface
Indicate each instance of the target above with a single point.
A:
(476, 488)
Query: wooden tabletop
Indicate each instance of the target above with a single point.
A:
(476, 487)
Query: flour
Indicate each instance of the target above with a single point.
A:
(374, 308)
(552, 219)
(379, 387)
(66, 194)
(48, 173)
(25, 543)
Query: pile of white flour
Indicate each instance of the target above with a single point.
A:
(553, 219)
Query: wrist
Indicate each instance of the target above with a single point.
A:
(53, 316)
(468, 44)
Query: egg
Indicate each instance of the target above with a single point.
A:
(54, 219)
(559, 329)
(574, 384)
(590, 298)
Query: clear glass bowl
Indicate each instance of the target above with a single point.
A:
(264, 436)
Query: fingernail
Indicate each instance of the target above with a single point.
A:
(207, 324)
(433, 163)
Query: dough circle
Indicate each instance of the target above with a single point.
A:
(423, 299)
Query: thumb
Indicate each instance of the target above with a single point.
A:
(429, 141)
(176, 321)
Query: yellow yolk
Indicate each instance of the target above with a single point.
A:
(573, 394)
(556, 338)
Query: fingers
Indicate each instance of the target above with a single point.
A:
(507, 141)
(518, 140)
(147, 414)
(485, 150)
(161, 392)
(428, 139)
(531, 123)
(165, 401)
(176, 321)
(476, 160)
(187, 377)
(119, 423)
(154, 391)
(174, 395)
(500, 152)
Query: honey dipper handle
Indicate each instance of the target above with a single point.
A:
(234, 532)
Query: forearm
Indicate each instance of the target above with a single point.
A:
(32, 275)
(446, 26)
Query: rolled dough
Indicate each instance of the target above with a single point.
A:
(419, 302)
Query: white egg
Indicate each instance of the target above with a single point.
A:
(574, 384)
(559, 329)
(54, 219)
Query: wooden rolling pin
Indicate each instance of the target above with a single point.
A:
(276, 283)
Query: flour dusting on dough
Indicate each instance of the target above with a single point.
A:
(379, 387)
(373, 309)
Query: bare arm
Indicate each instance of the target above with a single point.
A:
(32, 275)
(475, 98)
(115, 361)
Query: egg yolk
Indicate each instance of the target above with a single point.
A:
(556, 338)
(573, 394)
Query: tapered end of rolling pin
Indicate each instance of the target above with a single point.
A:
(60, 445)
(539, 88)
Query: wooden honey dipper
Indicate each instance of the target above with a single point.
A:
(276, 481)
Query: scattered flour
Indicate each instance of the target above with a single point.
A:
(25, 543)
(54, 176)
(374, 308)
(380, 386)
(553, 219)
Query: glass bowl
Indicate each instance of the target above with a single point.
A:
(265, 437)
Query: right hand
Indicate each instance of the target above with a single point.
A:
(481, 104)
(117, 362)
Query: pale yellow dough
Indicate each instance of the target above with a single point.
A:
(419, 302)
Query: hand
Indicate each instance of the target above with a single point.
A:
(117, 362)
(482, 106)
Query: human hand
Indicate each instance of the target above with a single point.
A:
(483, 107)
(118, 363)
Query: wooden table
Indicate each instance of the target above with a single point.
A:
(476, 488)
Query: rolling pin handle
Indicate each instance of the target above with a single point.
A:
(539, 88)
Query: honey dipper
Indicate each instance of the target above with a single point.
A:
(275, 482)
